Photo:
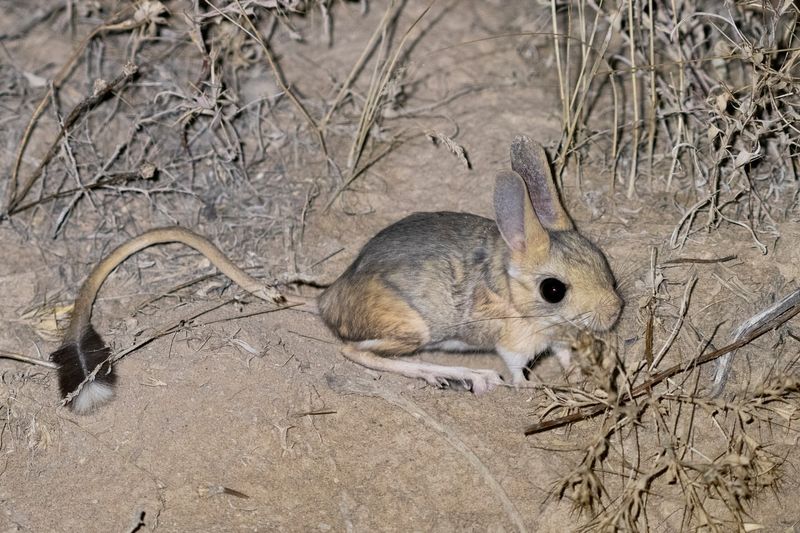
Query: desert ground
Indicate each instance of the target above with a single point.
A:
(291, 132)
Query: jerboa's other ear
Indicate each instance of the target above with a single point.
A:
(529, 160)
(515, 218)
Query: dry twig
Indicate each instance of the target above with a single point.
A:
(102, 90)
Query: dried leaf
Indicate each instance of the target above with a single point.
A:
(744, 157)
(245, 346)
(46, 320)
(721, 102)
(713, 132)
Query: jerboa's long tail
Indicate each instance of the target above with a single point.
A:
(85, 375)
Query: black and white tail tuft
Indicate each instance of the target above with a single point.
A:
(76, 361)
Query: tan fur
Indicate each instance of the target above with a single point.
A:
(507, 323)
(370, 310)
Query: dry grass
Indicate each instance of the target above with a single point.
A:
(652, 450)
(229, 38)
(689, 96)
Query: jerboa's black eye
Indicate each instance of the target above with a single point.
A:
(552, 290)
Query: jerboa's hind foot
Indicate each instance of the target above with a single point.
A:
(479, 381)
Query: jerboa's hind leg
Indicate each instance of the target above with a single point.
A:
(378, 325)
(479, 381)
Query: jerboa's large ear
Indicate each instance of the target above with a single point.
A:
(515, 218)
(529, 160)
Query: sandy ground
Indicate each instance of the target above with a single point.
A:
(247, 420)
